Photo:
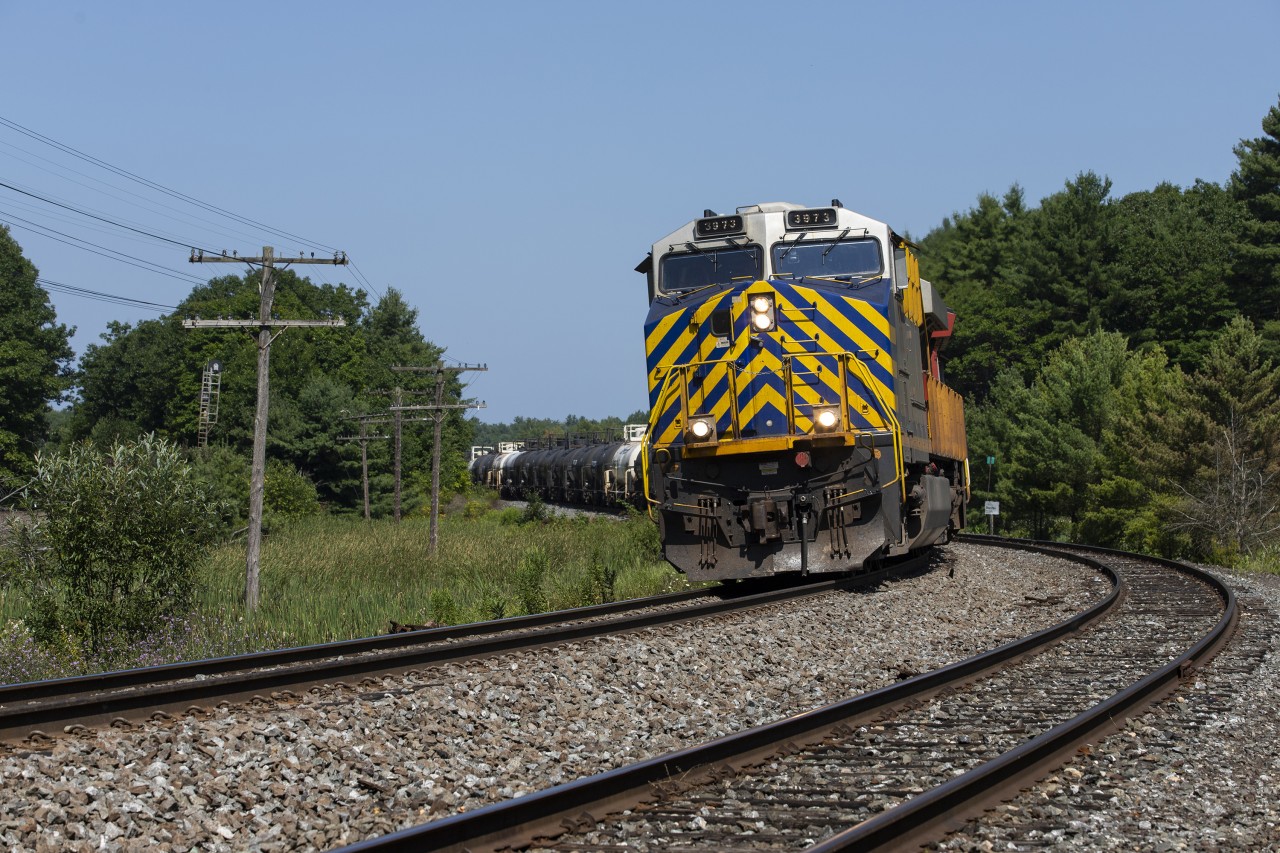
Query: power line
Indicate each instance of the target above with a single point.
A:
(158, 187)
(265, 324)
(77, 222)
(99, 296)
(104, 219)
(140, 262)
(182, 217)
(361, 277)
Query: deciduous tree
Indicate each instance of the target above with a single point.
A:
(35, 363)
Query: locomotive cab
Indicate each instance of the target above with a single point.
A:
(798, 419)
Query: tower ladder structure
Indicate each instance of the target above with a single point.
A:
(210, 387)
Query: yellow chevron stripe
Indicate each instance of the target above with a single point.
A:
(699, 390)
(767, 394)
(700, 315)
(834, 314)
(660, 331)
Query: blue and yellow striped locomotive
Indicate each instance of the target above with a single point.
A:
(799, 422)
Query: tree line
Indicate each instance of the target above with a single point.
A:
(145, 379)
(549, 429)
(1118, 357)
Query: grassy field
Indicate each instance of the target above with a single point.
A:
(328, 578)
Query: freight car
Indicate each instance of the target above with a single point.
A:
(590, 472)
(799, 422)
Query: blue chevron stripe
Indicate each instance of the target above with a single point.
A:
(838, 336)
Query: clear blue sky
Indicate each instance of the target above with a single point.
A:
(506, 165)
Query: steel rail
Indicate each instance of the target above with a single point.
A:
(946, 807)
(28, 691)
(40, 709)
(547, 813)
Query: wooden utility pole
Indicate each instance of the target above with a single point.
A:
(264, 325)
(364, 438)
(397, 394)
(365, 421)
(438, 411)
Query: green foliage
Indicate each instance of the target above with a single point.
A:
(443, 609)
(530, 578)
(1171, 264)
(604, 577)
(147, 378)
(535, 510)
(1231, 505)
(224, 474)
(1256, 185)
(475, 508)
(1082, 450)
(1120, 448)
(35, 357)
(1154, 266)
(1105, 364)
(287, 493)
(535, 429)
(117, 541)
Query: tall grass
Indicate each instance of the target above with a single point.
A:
(326, 578)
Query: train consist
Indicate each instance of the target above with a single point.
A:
(574, 471)
(798, 418)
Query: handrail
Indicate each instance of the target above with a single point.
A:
(864, 374)
(734, 371)
(899, 464)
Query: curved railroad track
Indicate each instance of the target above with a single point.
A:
(897, 766)
(39, 711)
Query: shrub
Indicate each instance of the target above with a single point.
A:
(443, 609)
(535, 509)
(115, 542)
(287, 492)
(225, 476)
(510, 516)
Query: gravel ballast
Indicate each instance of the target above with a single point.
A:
(1199, 771)
(355, 762)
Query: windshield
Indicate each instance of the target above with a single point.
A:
(819, 258)
(691, 270)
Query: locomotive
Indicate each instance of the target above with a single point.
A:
(799, 422)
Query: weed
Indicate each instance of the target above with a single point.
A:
(535, 509)
(330, 578)
(529, 580)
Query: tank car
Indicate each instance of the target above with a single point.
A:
(591, 473)
(799, 422)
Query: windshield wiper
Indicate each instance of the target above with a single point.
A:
(860, 278)
(790, 246)
(835, 243)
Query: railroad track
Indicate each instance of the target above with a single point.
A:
(897, 766)
(40, 711)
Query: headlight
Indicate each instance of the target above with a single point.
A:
(762, 314)
(826, 418)
(702, 428)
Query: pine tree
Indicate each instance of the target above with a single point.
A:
(1256, 183)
